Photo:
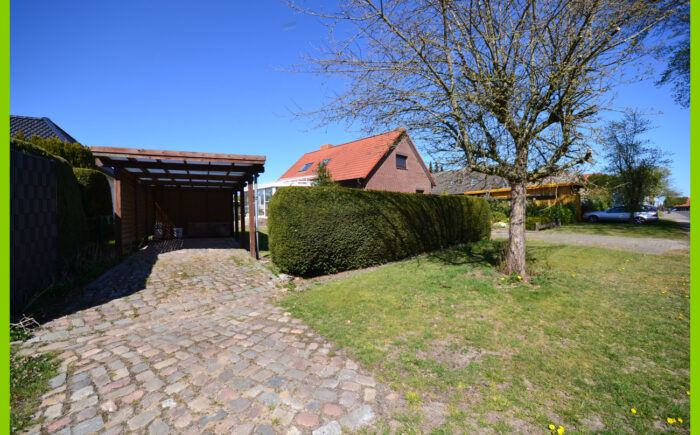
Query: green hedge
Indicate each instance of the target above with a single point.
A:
(78, 156)
(321, 230)
(531, 221)
(95, 192)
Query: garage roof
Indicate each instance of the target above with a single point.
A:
(182, 168)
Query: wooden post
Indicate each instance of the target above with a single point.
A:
(118, 212)
(251, 220)
(242, 239)
(235, 215)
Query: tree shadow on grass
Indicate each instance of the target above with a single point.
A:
(485, 252)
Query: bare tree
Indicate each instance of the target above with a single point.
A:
(504, 88)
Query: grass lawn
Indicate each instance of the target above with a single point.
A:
(29, 378)
(598, 332)
(663, 229)
(262, 240)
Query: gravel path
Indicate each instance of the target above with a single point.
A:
(185, 339)
(640, 245)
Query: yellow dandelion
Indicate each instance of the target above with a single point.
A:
(680, 420)
(503, 278)
(646, 293)
(670, 420)
(551, 427)
(573, 275)
(687, 393)
(663, 292)
(633, 411)
(520, 277)
(680, 316)
(687, 296)
(560, 430)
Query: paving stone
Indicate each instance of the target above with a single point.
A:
(108, 406)
(332, 428)
(243, 429)
(357, 418)
(82, 393)
(141, 420)
(264, 429)
(158, 427)
(57, 381)
(88, 426)
(182, 346)
(307, 419)
(333, 410)
(221, 414)
(58, 424)
(168, 403)
(268, 398)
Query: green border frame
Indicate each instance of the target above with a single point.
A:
(694, 211)
(5, 208)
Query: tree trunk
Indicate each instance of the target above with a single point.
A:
(515, 257)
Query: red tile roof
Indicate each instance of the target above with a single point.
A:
(350, 160)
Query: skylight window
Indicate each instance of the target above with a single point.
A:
(325, 162)
(305, 167)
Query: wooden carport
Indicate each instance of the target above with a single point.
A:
(200, 192)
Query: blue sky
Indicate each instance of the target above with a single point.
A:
(207, 76)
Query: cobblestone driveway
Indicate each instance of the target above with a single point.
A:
(195, 346)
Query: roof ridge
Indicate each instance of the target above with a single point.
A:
(368, 137)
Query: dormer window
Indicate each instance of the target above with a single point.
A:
(305, 167)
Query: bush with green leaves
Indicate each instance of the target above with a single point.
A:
(78, 156)
(95, 192)
(498, 216)
(322, 230)
(566, 213)
(500, 206)
(595, 204)
(531, 221)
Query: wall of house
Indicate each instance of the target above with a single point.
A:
(201, 212)
(386, 176)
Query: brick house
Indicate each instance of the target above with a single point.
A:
(387, 161)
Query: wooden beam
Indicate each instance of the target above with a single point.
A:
(182, 166)
(244, 243)
(251, 220)
(118, 213)
(235, 215)
(175, 155)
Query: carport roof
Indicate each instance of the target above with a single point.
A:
(182, 168)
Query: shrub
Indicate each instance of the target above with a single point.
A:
(566, 213)
(76, 155)
(498, 216)
(95, 191)
(321, 230)
(595, 204)
(531, 221)
(500, 205)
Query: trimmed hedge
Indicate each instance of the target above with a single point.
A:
(77, 155)
(321, 230)
(95, 191)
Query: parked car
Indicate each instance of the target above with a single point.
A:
(622, 214)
